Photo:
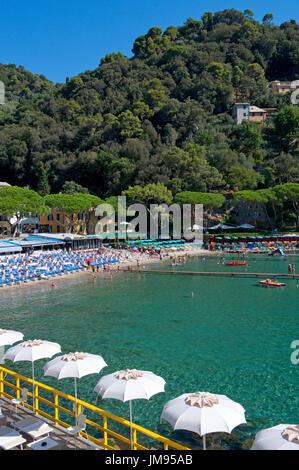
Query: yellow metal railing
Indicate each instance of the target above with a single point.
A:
(58, 409)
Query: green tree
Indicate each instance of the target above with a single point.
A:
(207, 20)
(286, 127)
(155, 94)
(154, 193)
(43, 187)
(21, 202)
(69, 204)
(248, 14)
(210, 201)
(268, 18)
(128, 125)
(247, 138)
(289, 192)
(70, 187)
(240, 178)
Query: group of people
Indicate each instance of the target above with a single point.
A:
(291, 269)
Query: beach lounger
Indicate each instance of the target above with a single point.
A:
(10, 438)
(33, 426)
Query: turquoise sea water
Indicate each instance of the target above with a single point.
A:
(231, 337)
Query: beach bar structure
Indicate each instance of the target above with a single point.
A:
(48, 242)
(76, 242)
(8, 247)
(29, 243)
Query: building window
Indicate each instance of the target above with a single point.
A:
(58, 217)
(58, 229)
(50, 217)
(80, 216)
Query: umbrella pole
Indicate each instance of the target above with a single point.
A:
(131, 429)
(33, 388)
(75, 402)
(204, 442)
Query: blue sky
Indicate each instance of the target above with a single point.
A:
(60, 38)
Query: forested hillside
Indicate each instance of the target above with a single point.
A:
(162, 116)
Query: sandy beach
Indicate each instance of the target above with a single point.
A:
(131, 262)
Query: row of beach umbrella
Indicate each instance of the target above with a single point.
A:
(199, 412)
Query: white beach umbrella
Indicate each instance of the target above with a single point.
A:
(280, 437)
(32, 350)
(76, 365)
(203, 413)
(128, 385)
(8, 337)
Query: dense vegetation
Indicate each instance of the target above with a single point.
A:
(162, 116)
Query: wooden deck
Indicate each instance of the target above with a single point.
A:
(59, 433)
(210, 273)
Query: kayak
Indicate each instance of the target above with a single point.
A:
(268, 282)
(236, 263)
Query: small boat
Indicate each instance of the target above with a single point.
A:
(268, 282)
(237, 263)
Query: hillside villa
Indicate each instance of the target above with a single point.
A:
(244, 111)
(277, 86)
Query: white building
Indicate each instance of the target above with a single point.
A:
(241, 111)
